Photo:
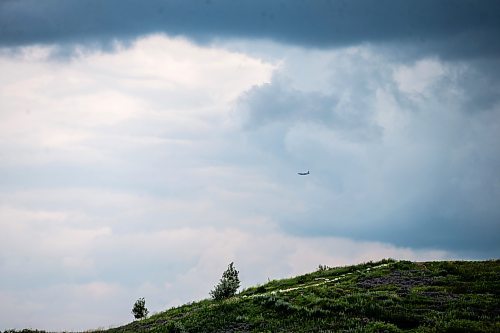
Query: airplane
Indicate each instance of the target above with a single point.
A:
(303, 173)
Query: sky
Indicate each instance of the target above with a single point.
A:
(146, 145)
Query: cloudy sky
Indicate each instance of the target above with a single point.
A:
(144, 146)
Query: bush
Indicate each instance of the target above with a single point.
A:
(228, 285)
(322, 268)
(139, 310)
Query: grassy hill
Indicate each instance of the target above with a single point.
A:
(385, 296)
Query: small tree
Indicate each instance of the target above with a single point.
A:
(228, 285)
(139, 310)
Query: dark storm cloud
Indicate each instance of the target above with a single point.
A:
(448, 27)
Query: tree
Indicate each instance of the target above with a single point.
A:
(139, 310)
(228, 285)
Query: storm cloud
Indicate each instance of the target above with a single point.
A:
(448, 28)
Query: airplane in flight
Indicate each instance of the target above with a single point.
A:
(303, 173)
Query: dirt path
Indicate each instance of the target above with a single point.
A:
(325, 281)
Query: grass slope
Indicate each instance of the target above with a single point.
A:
(385, 296)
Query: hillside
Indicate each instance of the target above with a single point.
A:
(385, 296)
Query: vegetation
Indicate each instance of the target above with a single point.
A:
(385, 296)
(139, 310)
(228, 285)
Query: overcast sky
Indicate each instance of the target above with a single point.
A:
(145, 146)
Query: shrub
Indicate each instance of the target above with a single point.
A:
(139, 310)
(323, 268)
(228, 285)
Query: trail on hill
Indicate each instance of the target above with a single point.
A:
(325, 281)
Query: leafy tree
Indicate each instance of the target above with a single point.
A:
(139, 310)
(228, 285)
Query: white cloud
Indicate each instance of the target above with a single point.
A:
(158, 89)
(67, 127)
(418, 78)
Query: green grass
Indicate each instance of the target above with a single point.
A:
(386, 296)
